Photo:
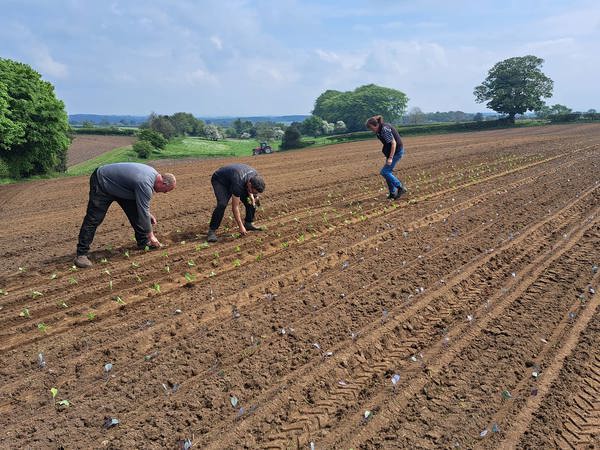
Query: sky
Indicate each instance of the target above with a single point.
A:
(250, 58)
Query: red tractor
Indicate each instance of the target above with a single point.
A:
(262, 150)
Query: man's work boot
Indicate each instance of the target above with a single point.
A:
(82, 261)
(400, 192)
(249, 226)
(212, 236)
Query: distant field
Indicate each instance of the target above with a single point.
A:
(188, 147)
(85, 147)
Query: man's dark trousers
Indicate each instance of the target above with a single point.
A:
(223, 195)
(98, 205)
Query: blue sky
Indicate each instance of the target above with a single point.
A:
(243, 58)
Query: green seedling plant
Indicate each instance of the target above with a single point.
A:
(259, 257)
(25, 313)
(237, 249)
(167, 269)
(189, 277)
(42, 327)
(138, 278)
(191, 263)
(3, 292)
(36, 294)
(126, 254)
(119, 300)
(53, 276)
(156, 287)
(22, 269)
(135, 265)
(72, 280)
(235, 235)
(73, 269)
(212, 273)
(285, 244)
(104, 260)
(62, 304)
(202, 246)
(106, 272)
(53, 392)
(110, 285)
(91, 316)
(236, 263)
(165, 254)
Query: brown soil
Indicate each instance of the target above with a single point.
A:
(480, 277)
(88, 146)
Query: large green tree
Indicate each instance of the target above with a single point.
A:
(514, 86)
(34, 129)
(355, 107)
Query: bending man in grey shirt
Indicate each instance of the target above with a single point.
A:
(131, 185)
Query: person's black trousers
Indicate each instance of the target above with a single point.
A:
(223, 195)
(98, 205)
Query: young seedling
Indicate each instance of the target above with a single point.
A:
(119, 300)
(259, 257)
(237, 249)
(202, 246)
(53, 391)
(135, 265)
(53, 276)
(64, 403)
(138, 278)
(126, 254)
(191, 263)
(156, 287)
(3, 292)
(90, 316)
(24, 313)
(36, 294)
(73, 269)
(104, 260)
(106, 272)
(167, 269)
(62, 304)
(236, 263)
(235, 235)
(147, 248)
(189, 277)
(22, 269)
(72, 280)
(285, 244)
(165, 254)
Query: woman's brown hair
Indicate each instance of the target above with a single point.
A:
(374, 121)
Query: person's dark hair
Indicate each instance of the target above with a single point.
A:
(258, 183)
(374, 121)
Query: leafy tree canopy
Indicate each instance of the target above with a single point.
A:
(355, 107)
(34, 129)
(514, 86)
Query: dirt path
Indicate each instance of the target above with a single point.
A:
(88, 146)
(462, 316)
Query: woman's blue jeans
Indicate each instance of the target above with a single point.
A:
(387, 172)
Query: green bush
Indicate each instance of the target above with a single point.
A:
(4, 169)
(157, 140)
(143, 148)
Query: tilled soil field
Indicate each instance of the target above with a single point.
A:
(463, 315)
(88, 146)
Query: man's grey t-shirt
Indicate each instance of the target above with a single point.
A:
(235, 177)
(130, 181)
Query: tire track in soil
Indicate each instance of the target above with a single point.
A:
(304, 421)
(571, 392)
(490, 370)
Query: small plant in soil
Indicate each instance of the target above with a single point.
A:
(135, 265)
(259, 257)
(3, 292)
(53, 276)
(24, 313)
(104, 260)
(156, 288)
(126, 254)
(53, 392)
(90, 316)
(36, 294)
(191, 263)
(236, 263)
(72, 280)
(189, 277)
(119, 300)
(167, 269)
(202, 246)
(62, 304)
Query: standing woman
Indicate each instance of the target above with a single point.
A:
(393, 151)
